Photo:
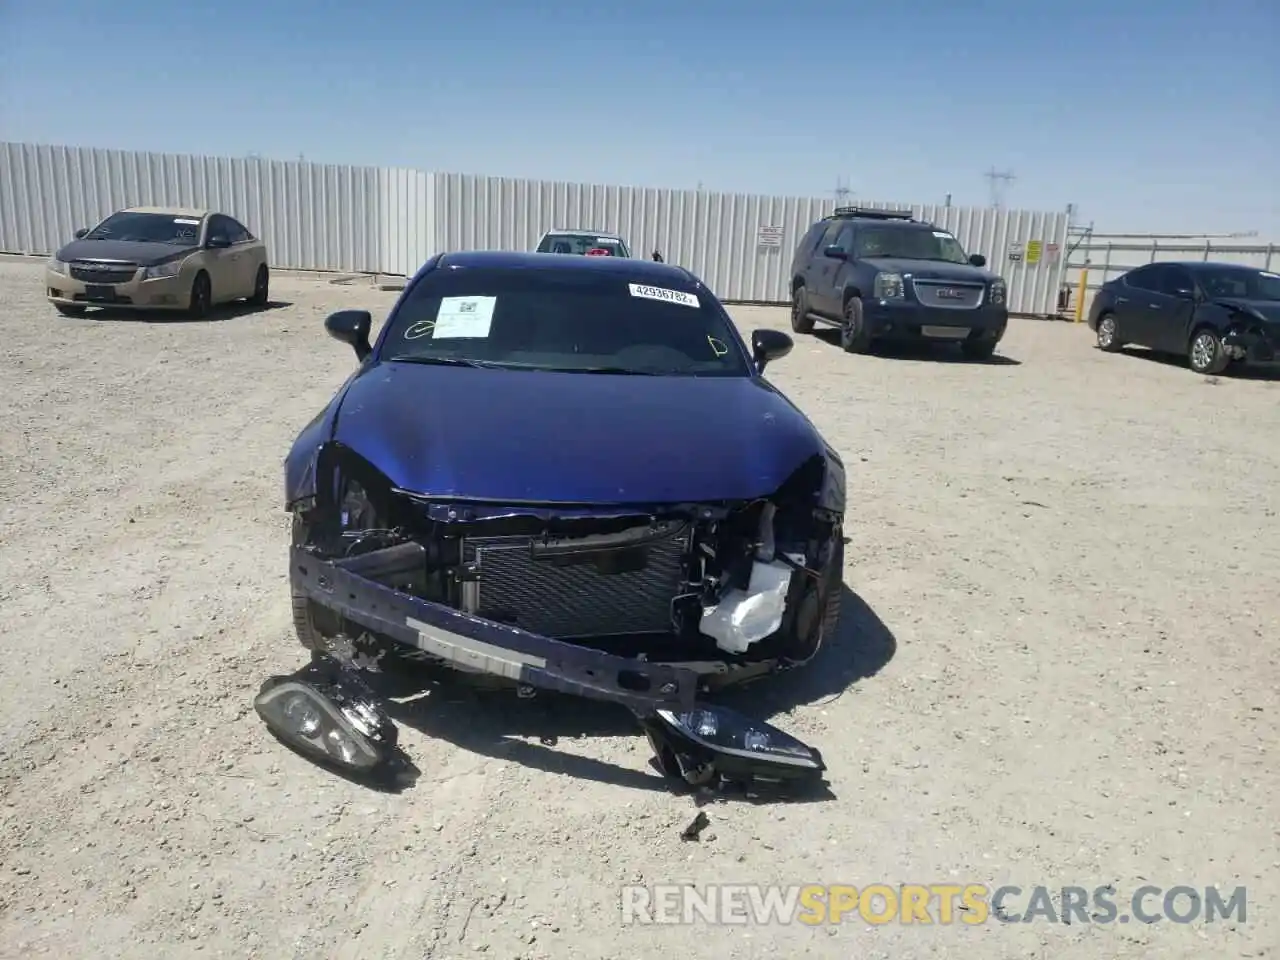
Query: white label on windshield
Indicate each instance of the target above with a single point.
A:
(194, 223)
(605, 240)
(663, 294)
(943, 236)
(464, 317)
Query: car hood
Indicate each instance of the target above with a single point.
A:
(1268, 310)
(131, 251)
(933, 269)
(576, 438)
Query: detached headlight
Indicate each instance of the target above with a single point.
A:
(329, 718)
(162, 270)
(708, 741)
(997, 292)
(889, 286)
(54, 265)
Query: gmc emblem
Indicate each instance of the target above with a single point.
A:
(950, 293)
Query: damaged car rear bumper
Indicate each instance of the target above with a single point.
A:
(475, 644)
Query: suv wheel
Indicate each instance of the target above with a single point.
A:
(854, 336)
(801, 322)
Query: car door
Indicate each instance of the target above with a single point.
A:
(1135, 314)
(1171, 318)
(827, 269)
(222, 262)
(250, 251)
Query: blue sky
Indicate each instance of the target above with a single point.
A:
(1149, 116)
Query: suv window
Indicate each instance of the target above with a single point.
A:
(909, 243)
(844, 240)
(829, 235)
(810, 242)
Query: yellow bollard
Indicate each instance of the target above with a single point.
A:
(1080, 292)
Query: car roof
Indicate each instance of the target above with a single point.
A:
(173, 211)
(641, 271)
(582, 232)
(1194, 265)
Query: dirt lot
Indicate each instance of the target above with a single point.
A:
(1058, 667)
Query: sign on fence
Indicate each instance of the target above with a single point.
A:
(1015, 251)
(1034, 249)
(769, 236)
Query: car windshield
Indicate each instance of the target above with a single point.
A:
(1241, 283)
(563, 320)
(581, 243)
(148, 228)
(910, 243)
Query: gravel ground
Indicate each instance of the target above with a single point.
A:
(1058, 666)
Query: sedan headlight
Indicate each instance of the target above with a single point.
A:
(330, 717)
(709, 741)
(998, 292)
(889, 286)
(54, 265)
(162, 270)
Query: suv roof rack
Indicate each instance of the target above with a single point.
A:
(869, 213)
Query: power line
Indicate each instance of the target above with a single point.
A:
(999, 181)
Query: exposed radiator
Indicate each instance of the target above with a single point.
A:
(562, 592)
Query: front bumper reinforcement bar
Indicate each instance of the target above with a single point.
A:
(476, 644)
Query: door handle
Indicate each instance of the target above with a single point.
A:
(1122, 299)
(1154, 306)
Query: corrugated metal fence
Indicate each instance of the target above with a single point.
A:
(1107, 257)
(324, 217)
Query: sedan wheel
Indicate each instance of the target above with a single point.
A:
(201, 297)
(1206, 354)
(1107, 339)
(261, 287)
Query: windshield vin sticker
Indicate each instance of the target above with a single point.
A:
(186, 220)
(463, 317)
(663, 294)
(941, 235)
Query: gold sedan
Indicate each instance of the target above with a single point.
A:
(159, 258)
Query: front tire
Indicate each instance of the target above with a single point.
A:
(1109, 334)
(261, 287)
(1205, 354)
(854, 335)
(801, 322)
(201, 297)
(978, 349)
(817, 618)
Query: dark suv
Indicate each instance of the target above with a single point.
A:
(883, 275)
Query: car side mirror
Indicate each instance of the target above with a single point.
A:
(218, 243)
(81, 233)
(835, 253)
(769, 345)
(352, 328)
(977, 260)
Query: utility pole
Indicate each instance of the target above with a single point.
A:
(999, 183)
(842, 192)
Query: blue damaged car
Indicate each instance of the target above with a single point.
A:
(570, 473)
